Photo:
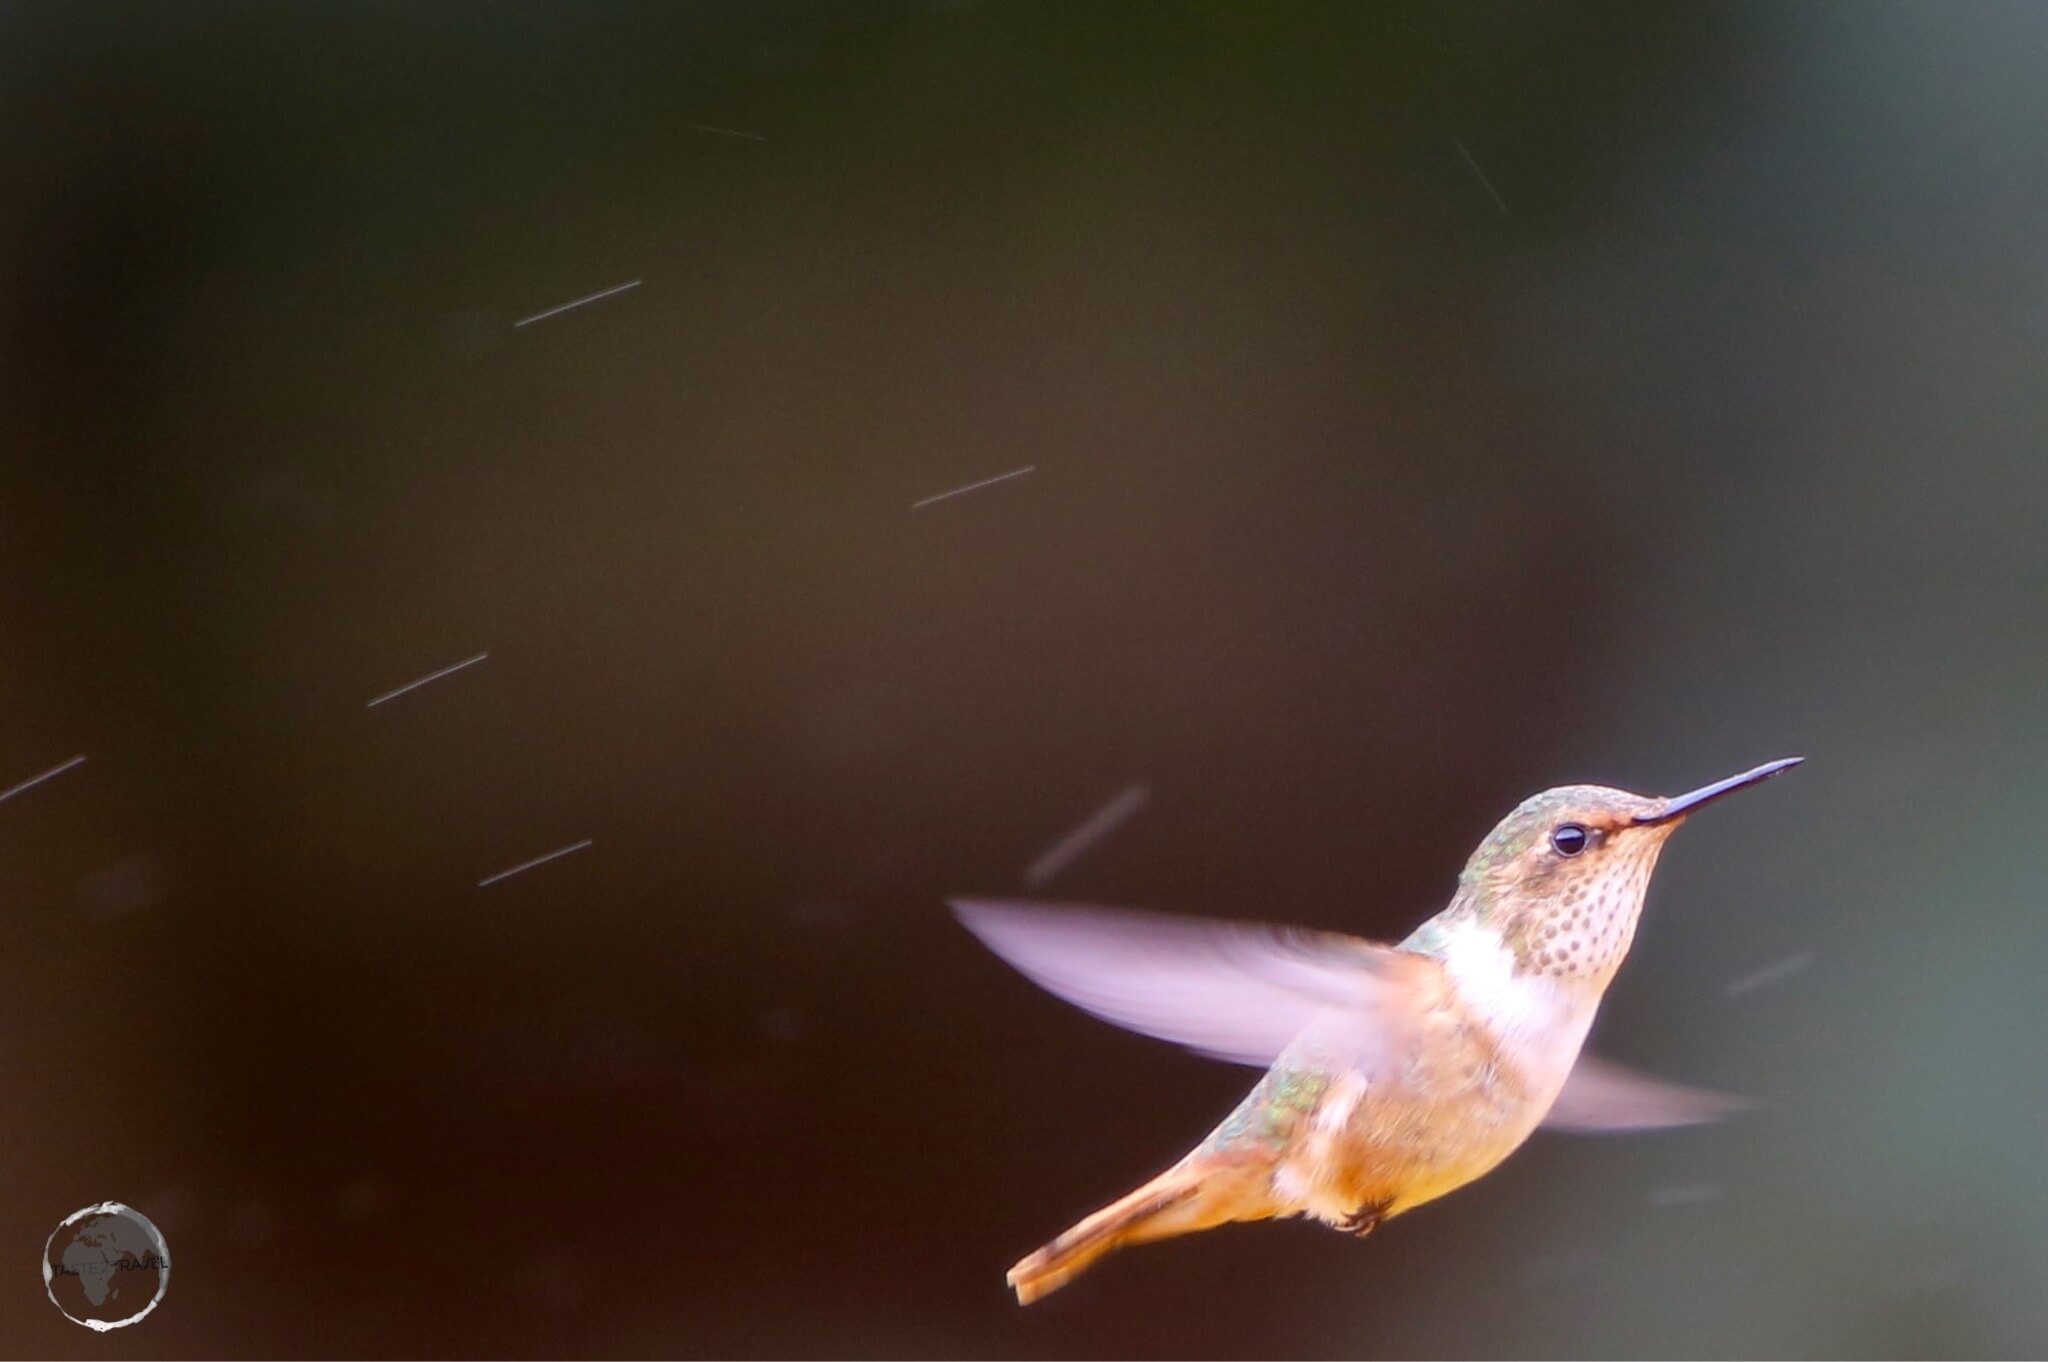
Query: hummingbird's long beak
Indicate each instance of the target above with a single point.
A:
(1678, 806)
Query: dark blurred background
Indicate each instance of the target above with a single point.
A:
(1428, 404)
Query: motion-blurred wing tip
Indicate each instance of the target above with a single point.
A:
(982, 916)
(967, 908)
(1602, 1096)
(1727, 1104)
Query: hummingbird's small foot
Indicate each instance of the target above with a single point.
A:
(1364, 1220)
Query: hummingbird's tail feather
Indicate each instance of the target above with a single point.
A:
(1178, 1201)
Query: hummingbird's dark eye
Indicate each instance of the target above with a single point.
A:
(1570, 839)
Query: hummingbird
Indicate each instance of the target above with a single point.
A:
(1394, 1074)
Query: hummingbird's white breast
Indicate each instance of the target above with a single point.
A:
(1492, 1046)
(1540, 1021)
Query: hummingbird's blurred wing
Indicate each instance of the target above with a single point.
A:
(1603, 1096)
(1238, 991)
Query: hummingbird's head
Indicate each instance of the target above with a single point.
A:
(1562, 878)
